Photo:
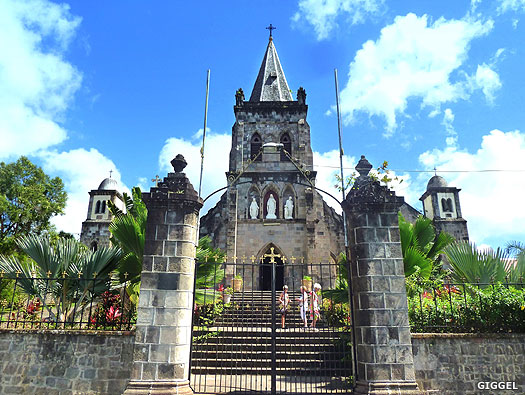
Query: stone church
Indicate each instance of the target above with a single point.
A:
(271, 202)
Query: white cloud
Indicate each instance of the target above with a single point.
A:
(487, 80)
(474, 4)
(216, 162)
(414, 58)
(511, 5)
(36, 83)
(81, 170)
(491, 202)
(323, 15)
(448, 120)
(327, 166)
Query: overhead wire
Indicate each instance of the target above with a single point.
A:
(438, 170)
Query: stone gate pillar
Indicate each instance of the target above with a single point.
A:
(383, 343)
(163, 336)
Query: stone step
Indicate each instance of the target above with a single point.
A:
(281, 355)
(266, 332)
(221, 346)
(312, 371)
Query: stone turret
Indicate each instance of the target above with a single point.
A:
(441, 205)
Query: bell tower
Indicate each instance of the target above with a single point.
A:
(271, 199)
(95, 229)
(441, 205)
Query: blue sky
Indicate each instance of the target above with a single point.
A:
(89, 87)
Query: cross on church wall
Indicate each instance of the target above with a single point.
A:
(272, 255)
(156, 180)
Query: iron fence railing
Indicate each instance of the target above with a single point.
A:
(239, 344)
(66, 303)
(466, 307)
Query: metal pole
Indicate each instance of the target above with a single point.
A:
(341, 152)
(204, 132)
(347, 247)
(274, 336)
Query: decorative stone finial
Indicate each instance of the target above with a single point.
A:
(301, 95)
(239, 97)
(179, 163)
(363, 166)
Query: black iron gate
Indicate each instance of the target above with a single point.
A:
(238, 345)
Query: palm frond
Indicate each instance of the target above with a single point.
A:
(416, 261)
(442, 240)
(473, 266)
(424, 234)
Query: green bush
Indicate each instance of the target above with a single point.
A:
(336, 315)
(205, 314)
(466, 309)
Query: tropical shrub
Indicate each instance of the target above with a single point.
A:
(467, 308)
(63, 275)
(110, 312)
(482, 266)
(420, 246)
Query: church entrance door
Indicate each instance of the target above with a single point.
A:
(265, 272)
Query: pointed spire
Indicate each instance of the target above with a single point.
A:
(271, 83)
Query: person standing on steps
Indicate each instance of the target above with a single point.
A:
(303, 305)
(284, 302)
(314, 309)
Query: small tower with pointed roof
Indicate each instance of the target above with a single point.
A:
(441, 205)
(95, 229)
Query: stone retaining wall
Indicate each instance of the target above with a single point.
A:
(65, 363)
(74, 363)
(454, 364)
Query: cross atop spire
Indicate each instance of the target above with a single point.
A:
(270, 28)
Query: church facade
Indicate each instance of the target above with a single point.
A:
(271, 202)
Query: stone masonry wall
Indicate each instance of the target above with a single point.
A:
(65, 363)
(58, 363)
(453, 364)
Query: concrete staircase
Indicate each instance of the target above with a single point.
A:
(239, 343)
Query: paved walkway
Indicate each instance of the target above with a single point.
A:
(259, 384)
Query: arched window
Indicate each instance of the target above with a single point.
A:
(255, 147)
(103, 210)
(287, 143)
(94, 246)
(449, 204)
(446, 205)
(97, 207)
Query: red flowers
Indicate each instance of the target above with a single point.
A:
(426, 295)
(220, 288)
(33, 307)
(112, 314)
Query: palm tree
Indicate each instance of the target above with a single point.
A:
(128, 232)
(63, 270)
(517, 249)
(470, 265)
(420, 246)
(208, 273)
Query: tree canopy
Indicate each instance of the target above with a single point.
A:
(28, 200)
